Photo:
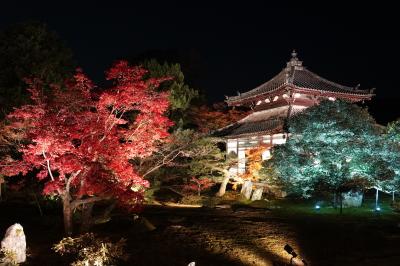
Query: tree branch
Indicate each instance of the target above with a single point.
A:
(69, 180)
(48, 165)
(76, 203)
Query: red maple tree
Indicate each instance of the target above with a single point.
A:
(81, 143)
(198, 185)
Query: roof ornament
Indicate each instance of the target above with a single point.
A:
(294, 61)
(294, 54)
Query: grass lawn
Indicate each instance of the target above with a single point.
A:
(358, 236)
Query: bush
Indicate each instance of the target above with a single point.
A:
(396, 206)
(7, 258)
(192, 200)
(231, 196)
(91, 250)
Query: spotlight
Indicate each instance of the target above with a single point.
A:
(290, 250)
(294, 260)
(317, 207)
(378, 209)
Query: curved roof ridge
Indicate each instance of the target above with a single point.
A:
(328, 81)
(263, 85)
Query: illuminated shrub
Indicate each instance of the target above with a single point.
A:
(92, 250)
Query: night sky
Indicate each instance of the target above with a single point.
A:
(225, 48)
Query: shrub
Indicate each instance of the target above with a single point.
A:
(192, 200)
(396, 206)
(91, 250)
(8, 257)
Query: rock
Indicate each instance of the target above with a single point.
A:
(223, 206)
(257, 194)
(276, 191)
(192, 263)
(14, 243)
(352, 199)
(247, 188)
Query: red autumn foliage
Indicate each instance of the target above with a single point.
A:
(198, 184)
(218, 116)
(81, 145)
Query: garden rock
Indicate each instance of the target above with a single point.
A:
(352, 199)
(247, 188)
(257, 194)
(14, 245)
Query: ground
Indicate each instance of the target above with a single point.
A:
(241, 234)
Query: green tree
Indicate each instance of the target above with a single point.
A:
(335, 145)
(391, 153)
(29, 50)
(181, 95)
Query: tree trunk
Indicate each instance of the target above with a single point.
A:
(67, 211)
(376, 198)
(37, 202)
(392, 196)
(222, 188)
(341, 203)
(87, 219)
(334, 200)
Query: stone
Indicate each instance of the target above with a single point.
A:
(247, 188)
(192, 263)
(257, 194)
(14, 244)
(352, 199)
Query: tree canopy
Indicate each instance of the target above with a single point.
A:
(335, 145)
(180, 94)
(81, 144)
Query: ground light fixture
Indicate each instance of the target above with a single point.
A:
(294, 260)
(290, 250)
(317, 207)
(378, 209)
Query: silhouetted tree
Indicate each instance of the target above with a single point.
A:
(28, 50)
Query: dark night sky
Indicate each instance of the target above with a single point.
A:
(234, 47)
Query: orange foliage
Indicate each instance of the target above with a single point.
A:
(254, 162)
(215, 117)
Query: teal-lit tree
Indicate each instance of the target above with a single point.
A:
(334, 145)
(391, 154)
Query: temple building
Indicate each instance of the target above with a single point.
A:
(292, 90)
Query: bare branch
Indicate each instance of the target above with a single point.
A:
(76, 203)
(48, 165)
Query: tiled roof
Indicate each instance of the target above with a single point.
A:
(250, 128)
(297, 76)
